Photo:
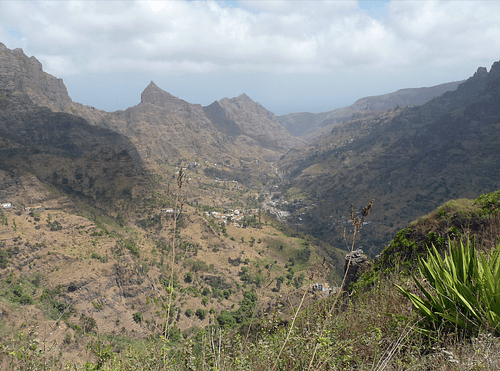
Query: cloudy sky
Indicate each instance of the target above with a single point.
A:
(291, 56)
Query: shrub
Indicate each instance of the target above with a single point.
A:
(201, 313)
(226, 319)
(188, 278)
(137, 317)
(88, 323)
(26, 299)
(188, 313)
(130, 245)
(4, 258)
(67, 338)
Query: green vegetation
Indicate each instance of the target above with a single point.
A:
(465, 289)
(201, 313)
(137, 317)
(130, 245)
(4, 258)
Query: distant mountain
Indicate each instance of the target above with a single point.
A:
(306, 124)
(409, 159)
(242, 115)
(237, 134)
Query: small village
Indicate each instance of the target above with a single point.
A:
(232, 217)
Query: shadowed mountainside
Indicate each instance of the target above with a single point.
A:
(410, 160)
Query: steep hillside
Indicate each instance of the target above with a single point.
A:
(410, 160)
(310, 125)
(137, 223)
(60, 149)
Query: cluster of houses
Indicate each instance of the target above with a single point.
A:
(231, 218)
(320, 287)
(28, 209)
(33, 208)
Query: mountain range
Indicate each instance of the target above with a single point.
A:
(114, 210)
(409, 159)
(307, 124)
(413, 146)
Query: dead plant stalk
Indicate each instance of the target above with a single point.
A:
(357, 223)
(177, 210)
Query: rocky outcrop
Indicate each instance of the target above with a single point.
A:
(23, 80)
(355, 262)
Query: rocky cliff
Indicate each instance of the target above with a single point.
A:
(22, 79)
(59, 148)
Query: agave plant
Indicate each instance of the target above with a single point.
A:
(465, 287)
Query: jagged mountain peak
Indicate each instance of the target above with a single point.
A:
(252, 119)
(24, 80)
(153, 94)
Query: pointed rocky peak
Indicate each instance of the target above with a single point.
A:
(159, 97)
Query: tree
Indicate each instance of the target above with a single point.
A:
(226, 319)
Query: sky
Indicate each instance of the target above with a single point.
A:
(290, 56)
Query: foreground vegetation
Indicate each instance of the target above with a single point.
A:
(422, 325)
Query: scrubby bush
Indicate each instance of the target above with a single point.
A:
(201, 313)
(137, 317)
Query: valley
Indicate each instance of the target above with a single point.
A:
(170, 218)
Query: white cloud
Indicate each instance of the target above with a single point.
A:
(327, 34)
(284, 37)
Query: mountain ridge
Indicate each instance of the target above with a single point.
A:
(310, 125)
(413, 157)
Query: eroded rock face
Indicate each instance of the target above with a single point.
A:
(358, 261)
(57, 147)
(23, 79)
